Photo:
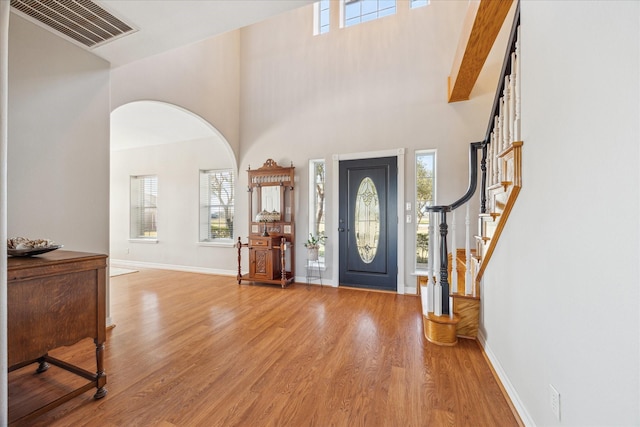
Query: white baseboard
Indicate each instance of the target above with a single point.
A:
(325, 281)
(189, 269)
(504, 379)
(185, 268)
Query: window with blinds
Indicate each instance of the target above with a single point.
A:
(216, 205)
(143, 203)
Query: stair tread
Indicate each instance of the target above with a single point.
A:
(461, 295)
(493, 215)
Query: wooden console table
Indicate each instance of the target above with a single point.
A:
(56, 299)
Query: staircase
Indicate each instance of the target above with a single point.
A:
(450, 291)
(501, 197)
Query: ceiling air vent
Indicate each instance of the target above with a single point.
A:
(82, 21)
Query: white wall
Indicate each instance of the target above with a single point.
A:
(560, 295)
(58, 160)
(177, 167)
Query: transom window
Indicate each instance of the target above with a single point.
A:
(321, 17)
(357, 11)
(419, 3)
(216, 205)
(353, 12)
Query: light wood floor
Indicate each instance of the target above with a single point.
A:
(199, 350)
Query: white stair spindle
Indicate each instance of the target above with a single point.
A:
(467, 278)
(494, 145)
(490, 157)
(474, 273)
(496, 150)
(516, 136)
(512, 100)
(430, 262)
(504, 102)
(454, 258)
(500, 144)
(451, 307)
(506, 121)
(437, 306)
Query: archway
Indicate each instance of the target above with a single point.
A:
(151, 138)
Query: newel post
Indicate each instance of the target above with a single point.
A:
(444, 263)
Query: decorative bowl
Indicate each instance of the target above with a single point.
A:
(32, 251)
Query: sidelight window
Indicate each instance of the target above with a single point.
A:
(425, 196)
(317, 174)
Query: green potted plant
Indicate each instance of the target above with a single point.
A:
(313, 244)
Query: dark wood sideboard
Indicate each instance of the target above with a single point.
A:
(53, 300)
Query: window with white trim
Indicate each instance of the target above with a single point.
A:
(143, 207)
(216, 205)
(357, 11)
(419, 3)
(317, 174)
(321, 17)
(425, 196)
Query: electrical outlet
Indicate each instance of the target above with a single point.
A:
(408, 219)
(554, 401)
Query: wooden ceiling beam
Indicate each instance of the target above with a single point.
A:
(482, 25)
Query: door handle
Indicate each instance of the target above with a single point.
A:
(340, 229)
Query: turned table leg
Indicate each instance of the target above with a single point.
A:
(101, 377)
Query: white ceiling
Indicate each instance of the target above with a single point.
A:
(167, 24)
(145, 123)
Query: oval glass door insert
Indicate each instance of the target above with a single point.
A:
(367, 220)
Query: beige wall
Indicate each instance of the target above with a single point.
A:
(276, 91)
(376, 86)
(58, 160)
(202, 78)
